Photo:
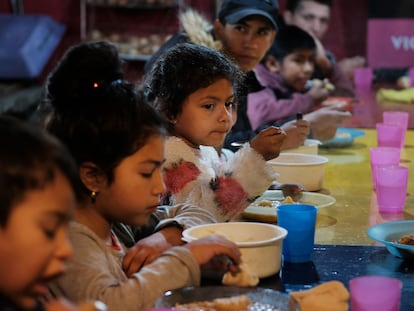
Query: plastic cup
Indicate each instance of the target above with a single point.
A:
(411, 75)
(363, 76)
(389, 135)
(382, 156)
(299, 220)
(399, 118)
(391, 189)
(370, 293)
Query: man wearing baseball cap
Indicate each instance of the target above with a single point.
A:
(198, 30)
(246, 29)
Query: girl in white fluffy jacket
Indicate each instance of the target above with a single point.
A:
(196, 88)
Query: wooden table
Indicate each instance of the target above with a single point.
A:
(348, 179)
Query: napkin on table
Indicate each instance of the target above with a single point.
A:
(402, 96)
(329, 296)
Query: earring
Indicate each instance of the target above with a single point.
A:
(93, 196)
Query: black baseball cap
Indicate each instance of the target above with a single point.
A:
(232, 11)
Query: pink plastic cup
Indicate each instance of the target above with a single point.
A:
(363, 76)
(391, 181)
(397, 118)
(382, 156)
(389, 135)
(370, 293)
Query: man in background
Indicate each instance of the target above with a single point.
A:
(314, 17)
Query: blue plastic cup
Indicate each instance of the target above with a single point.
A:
(299, 220)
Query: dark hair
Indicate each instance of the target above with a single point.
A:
(29, 160)
(81, 66)
(233, 11)
(184, 69)
(108, 119)
(288, 40)
(292, 5)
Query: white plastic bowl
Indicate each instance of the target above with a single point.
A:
(260, 244)
(310, 146)
(305, 169)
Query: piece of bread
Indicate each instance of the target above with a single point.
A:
(232, 303)
(244, 278)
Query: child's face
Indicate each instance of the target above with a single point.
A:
(34, 243)
(135, 193)
(207, 115)
(297, 68)
(247, 41)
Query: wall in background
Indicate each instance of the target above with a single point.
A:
(346, 37)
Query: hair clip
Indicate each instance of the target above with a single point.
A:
(98, 84)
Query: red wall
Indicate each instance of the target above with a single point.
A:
(347, 33)
(346, 36)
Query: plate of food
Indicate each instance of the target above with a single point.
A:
(397, 236)
(344, 137)
(264, 208)
(212, 298)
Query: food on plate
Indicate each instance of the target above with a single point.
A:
(244, 277)
(270, 203)
(265, 203)
(407, 239)
(288, 200)
(239, 303)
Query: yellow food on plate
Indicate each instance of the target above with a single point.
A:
(265, 203)
(288, 200)
(231, 303)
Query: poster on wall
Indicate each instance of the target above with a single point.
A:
(390, 43)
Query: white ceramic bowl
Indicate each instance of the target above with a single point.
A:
(305, 169)
(310, 146)
(260, 244)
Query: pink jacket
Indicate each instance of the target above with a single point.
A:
(265, 107)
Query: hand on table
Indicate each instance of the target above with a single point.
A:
(325, 121)
(213, 246)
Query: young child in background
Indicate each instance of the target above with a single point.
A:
(196, 88)
(314, 16)
(117, 140)
(37, 199)
(285, 72)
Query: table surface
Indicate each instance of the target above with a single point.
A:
(348, 179)
(368, 111)
(343, 250)
(342, 263)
